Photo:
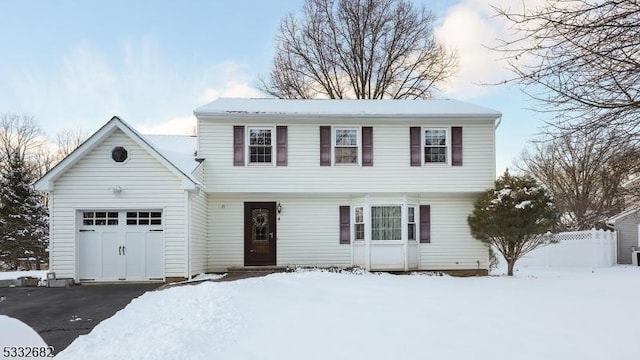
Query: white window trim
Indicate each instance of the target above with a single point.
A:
(358, 130)
(366, 211)
(364, 222)
(402, 221)
(447, 130)
(247, 146)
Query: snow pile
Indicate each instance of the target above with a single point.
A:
(14, 333)
(8, 275)
(323, 315)
(206, 277)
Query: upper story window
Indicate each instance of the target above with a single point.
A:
(346, 145)
(260, 145)
(435, 145)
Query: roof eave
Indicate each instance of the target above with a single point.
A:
(307, 116)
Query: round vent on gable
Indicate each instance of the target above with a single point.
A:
(119, 154)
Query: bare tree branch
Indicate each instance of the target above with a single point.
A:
(580, 59)
(363, 49)
(586, 173)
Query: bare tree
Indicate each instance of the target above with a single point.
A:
(364, 49)
(581, 60)
(586, 174)
(67, 140)
(21, 136)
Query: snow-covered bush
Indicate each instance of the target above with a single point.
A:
(514, 217)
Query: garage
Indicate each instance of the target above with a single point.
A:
(122, 245)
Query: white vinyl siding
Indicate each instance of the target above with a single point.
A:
(391, 171)
(145, 184)
(452, 247)
(199, 241)
(307, 231)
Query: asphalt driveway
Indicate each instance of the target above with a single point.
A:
(60, 315)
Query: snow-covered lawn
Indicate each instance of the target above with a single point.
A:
(7, 275)
(539, 314)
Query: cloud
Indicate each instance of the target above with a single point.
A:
(471, 28)
(185, 125)
(87, 86)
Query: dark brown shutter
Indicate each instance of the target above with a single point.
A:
(345, 225)
(456, 146)
(367, 146)
(414, 138)
(425, 223)
(281, 133)
(238, 146)
(325, 145)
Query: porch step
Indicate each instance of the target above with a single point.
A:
(256, 269)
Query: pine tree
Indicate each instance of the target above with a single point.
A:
(24, 229)
(513, 217)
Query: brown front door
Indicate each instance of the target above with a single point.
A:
(259, 233)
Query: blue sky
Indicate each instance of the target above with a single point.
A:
(76, 64)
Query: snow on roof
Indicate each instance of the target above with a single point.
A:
(363, 108)
(180, 150)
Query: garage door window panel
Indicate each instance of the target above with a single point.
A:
(144, 218)
(99, 218)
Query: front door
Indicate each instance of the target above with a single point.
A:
(259, 233)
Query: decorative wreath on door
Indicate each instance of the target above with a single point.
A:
(260, 218)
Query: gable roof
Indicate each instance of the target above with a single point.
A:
(169, 156)
(440, 108)
(613, 219)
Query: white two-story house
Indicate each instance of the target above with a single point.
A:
(380, 184)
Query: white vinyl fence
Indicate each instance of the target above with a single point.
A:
(589, 248)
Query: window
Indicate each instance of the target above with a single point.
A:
(260, 145)
(144, 218)
(119, 154)
(99, 218)
(359, 223)
(411, 222)
(435, 146)
(345, 145)
(386, 223)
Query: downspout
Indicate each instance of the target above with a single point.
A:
(187, 232)
(50, 205)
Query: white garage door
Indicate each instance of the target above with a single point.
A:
(123, 245)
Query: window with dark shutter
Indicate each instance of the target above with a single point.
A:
(238, 146)
(425, 223)
(282, 134)
(414, 144)
(367, 146)
(345, 225)
(456, 146)
(325, 145)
